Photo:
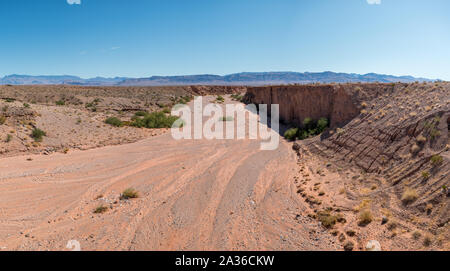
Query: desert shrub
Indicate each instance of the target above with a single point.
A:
(427, 241)
(322, 124)
(308, 123)
(184, 99)
(141, 114)
(37, 134)
(10, 100)
(114, 122)
(415, 149)
(166, 110)
(291, 134)
(311, 128)
(236, 97)
(100, 209)
(409, 196)
(129, 193)
(2, 120)
(328, 220)
(60, 102)
(416, 235)
(220, 99)
(426, 175)
(154, 120)
(26, 105)
(8, 138)
(365, 218)
(436, 160)
(421, 139)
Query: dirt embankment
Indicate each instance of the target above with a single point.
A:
(388, 146)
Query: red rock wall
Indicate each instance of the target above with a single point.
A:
(302, 101)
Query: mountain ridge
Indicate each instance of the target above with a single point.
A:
(243, 78)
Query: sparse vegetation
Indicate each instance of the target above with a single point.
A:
(436, 160)
(291, 134)
(26, 105)
(327, 219)
(425, 175)
(427, 241)
(60, 103)
(236, 97)
(416, 235)
(8, 138)
(409, 196)
(37, 134)
(310, 128)
(365, 218)
(114, 122)
(129, 193)
(154, 120)
(100, 209)
(415, 149)
(220, 99)
(2, 120)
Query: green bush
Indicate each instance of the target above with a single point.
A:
(437, 160)
(114, 122)
(8, 138)
(100, 209)
(26, 105)
(129, 193)
(322, 124)
(141, 114)
(291, 134)
(310, 128)
(60, 102)
(308, 123)
(220, 99)
(38, 134)
(154, 120)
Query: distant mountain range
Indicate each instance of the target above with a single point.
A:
(245, 78)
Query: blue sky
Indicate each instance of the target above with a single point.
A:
(140, 38)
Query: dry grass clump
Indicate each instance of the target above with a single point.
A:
(365, 218)
(416, 235)
(421, 139)
(328, 220)
(129, 193)
(415, 149)
(427, 241)
(100, 209)
(436, 160)
(2, 120)
(409, 196)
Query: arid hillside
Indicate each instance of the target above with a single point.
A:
(383, 165)
(73, 117)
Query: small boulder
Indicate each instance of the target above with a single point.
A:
(373, 246)
(384, 220)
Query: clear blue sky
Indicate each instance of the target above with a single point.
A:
(140, 38)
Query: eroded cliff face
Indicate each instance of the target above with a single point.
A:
(398, 133)
(313, 101)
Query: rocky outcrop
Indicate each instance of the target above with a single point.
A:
(302, 101)
(399, 132)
